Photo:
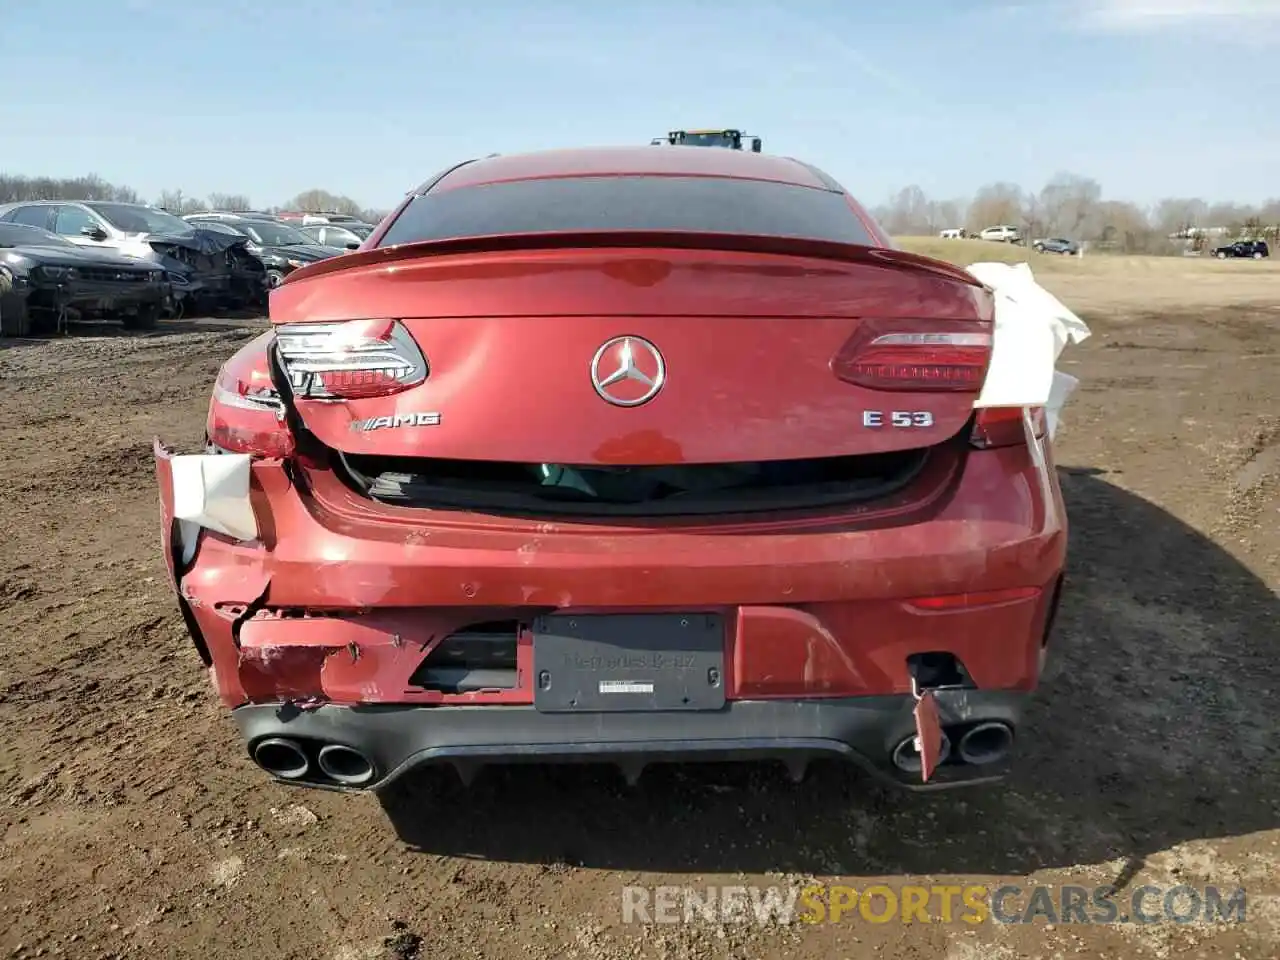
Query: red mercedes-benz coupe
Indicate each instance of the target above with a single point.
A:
(624, 455)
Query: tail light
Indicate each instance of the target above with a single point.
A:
(917, 359)
(349, 360)
(1002, 427)
(960, 601)
(246, 414)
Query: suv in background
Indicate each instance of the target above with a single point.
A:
(1253, 249)
(1001, 234)
(332, 235)
(1067, 248)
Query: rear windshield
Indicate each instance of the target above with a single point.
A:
(630, 203)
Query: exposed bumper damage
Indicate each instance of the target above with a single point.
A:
(96, 296)
(319, 623)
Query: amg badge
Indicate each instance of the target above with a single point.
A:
(399, 420)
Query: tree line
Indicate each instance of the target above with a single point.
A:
(92, 187)
(1074, 208)
(1068, 206)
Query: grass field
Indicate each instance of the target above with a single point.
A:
(1119, 281)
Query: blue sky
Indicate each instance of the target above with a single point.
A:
(369, 97)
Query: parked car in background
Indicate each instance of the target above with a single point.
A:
(231, 215)
(307, 218)
(44, 276)
(338, 218)
(346, 221)
(202, 266)
(1056, 245)
(1253, 249)
(250, 277)
(957, 233)
(1001, 234)
(642, 554)
(332, 235)
(280, 247)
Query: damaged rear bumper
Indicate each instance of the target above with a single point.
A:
(317, 625)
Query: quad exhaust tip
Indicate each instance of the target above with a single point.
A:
(282, 758)
(907, 758)
(345, 765)
(986, 743)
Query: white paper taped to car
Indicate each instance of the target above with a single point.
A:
(1032, 328)
(212, 490)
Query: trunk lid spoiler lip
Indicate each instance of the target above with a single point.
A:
(642, 240)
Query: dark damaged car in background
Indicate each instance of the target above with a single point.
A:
(45, 278)
(280, 247)
(622, 455)
(205, 270)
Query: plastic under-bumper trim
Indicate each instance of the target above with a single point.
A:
(864, 730)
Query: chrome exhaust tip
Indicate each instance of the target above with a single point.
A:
(986, 743)
(282, 758)
(907, 758)
(346, 765)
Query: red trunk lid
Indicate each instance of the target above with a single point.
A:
(746, 339)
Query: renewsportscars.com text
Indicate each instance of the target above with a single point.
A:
(970, 904)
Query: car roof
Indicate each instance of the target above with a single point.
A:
(632, 161)
(74, 203)
(230, 217)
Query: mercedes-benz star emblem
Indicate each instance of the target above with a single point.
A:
(628, 371)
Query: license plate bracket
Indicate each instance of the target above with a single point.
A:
(608, 663)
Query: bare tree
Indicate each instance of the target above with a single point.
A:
(229, 201)
(1034, 217)
(91, 187)
(1232, 216)
(1066, 203)
(324, 200)
(1178, 215)
(1269, 220)
(179, 204)
(948, 214)
(996, 204)
(1125, 227)
(908, 213)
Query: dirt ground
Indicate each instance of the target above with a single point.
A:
(133, 825)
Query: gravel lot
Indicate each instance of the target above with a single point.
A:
(132, 823)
